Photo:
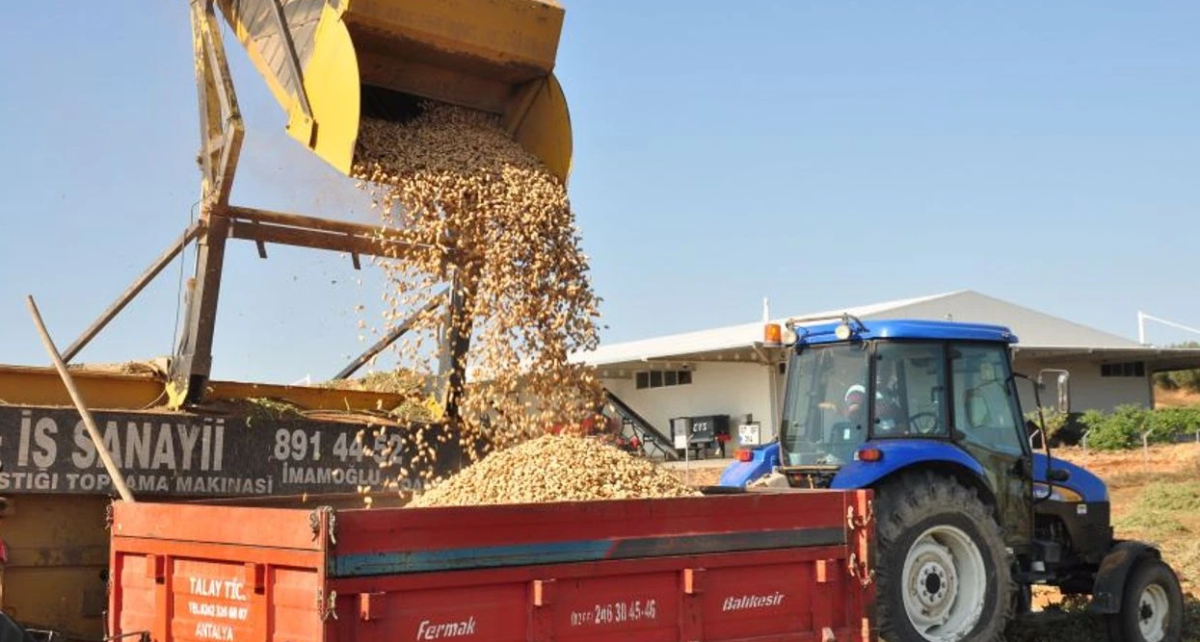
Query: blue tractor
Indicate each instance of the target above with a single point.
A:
(971, 510)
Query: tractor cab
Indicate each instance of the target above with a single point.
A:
(858, 398)
(863, 404)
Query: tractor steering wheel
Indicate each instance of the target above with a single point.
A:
(930, 427)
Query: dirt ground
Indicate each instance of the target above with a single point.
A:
(1175, 398)
(1155, 497)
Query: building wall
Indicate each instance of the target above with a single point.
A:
(733, 389)
(1088, 389)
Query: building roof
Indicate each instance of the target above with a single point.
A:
(1039, 334)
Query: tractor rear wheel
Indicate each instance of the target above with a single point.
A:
(942, 568)
(1151, 605)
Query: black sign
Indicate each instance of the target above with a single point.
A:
(48, 450)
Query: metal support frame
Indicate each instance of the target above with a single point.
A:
(221, 133)
(391, 337)
(263, 226)
(453, 367)
(131, 292)
(221, 128)
(193, 359)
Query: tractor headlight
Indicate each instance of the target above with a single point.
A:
(1057, 494)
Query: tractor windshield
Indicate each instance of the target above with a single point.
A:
(825, 410)
(826, 413)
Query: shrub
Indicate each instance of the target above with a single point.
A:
(1170, 423)
(1055, 419)
(1165, 381)
(1187, 379)
(1121, 429)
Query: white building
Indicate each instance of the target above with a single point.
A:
(727, 371)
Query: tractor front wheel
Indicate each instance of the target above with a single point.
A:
(1151, 605)
(941, 563)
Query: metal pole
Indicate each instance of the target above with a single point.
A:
(687, 453)
(113, 471)
(1179, 326)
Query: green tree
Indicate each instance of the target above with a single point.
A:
(1180, 379)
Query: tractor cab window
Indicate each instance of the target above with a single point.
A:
(825, 412)
(984, 407)
(910, 390)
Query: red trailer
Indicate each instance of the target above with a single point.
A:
(763, 566)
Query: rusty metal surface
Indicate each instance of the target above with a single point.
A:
(58, 558)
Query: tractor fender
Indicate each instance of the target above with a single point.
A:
(905, 454)
(763, 460)
(1114, 569)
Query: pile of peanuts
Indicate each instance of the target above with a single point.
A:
(555, 468)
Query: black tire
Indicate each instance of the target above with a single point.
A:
(907, 508)
(1125, 626)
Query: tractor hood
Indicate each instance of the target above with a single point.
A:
(1080, 480)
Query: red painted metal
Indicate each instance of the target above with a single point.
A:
(795, 567)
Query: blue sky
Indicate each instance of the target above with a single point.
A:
(824, 154)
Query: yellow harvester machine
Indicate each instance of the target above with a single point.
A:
(174, 432)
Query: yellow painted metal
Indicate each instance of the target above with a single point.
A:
(29, 386)
(364, 57)
(58, 550)
(308, 398)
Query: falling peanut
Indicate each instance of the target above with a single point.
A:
(482, 214)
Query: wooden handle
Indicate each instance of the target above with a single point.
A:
(113, 471)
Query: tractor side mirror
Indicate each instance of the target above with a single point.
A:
(1062, 388)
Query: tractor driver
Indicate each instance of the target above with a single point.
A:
(887, 411)
(854, 404)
